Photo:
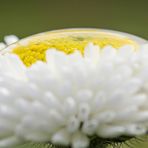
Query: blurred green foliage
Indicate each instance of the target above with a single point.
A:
(27, 17)
(135, 143)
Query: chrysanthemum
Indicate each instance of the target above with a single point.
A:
(73, 88)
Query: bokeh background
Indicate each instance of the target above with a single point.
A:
(27, 17)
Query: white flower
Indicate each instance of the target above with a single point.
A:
(10, 39)
(2, 45)
(71, 97)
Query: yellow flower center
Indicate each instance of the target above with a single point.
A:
(34, 48)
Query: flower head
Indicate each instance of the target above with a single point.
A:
(90, 89)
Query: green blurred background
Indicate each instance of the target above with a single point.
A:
(27, 17)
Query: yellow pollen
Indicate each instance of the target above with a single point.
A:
(34, 48)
